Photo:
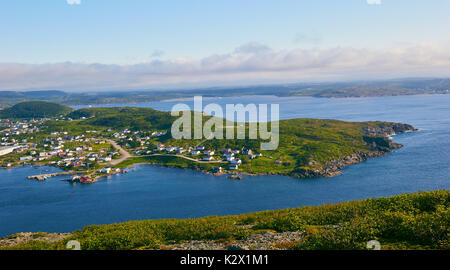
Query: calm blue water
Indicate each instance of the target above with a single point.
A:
(154, 192)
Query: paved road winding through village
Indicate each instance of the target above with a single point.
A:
(124, 155)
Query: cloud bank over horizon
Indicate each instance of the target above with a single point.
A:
(252, 63)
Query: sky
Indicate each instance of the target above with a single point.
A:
(83, 45)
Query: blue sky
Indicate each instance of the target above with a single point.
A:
(118, 34)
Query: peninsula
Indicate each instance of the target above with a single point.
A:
(95, 142)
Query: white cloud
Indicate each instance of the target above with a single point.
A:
(252, 63)
(73, 2)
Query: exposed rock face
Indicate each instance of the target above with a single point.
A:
(387, 129)
(18, 238)
(377, 138)
(384, 144)
(262, 241)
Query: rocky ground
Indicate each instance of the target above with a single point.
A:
(263, 241)
(25, 237)
(260, 241)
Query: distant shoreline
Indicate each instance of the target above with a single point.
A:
(337, 89)
(95, 105)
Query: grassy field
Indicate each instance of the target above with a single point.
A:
(408, 221)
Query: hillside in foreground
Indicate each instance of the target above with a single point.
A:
(408, 221)
(35, 109)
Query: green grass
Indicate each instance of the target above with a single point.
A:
(408, 221)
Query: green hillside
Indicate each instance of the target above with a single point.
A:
(35, 109)
(125, 117)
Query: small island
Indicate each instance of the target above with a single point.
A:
(92, 143)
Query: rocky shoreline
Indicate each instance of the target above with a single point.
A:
(377, 138)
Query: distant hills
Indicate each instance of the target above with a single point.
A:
(125, 117)
(35, 109)
(330, 89)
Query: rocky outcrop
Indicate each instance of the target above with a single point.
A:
(388, 129)
(376, 138)
(261, 241)
(18, 238)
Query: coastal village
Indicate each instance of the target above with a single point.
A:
(90, 156)
(90, 144)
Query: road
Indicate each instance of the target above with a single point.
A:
(124, 155)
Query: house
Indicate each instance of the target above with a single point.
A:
(160, 147)
(195, 152)
(229, 156)
(208, 153)
(105, 170)
(208, 158)
(234, 167)
(171, 149)
(225, 150)
(77, 163)
(25, 158)
(85, 179)
(236, 162)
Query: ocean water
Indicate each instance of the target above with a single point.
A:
(154, 192)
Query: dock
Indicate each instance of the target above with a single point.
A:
(42, 177)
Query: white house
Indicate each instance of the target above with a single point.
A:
(208, 158)
(106, 170)
(234, 167)
(236, 162)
